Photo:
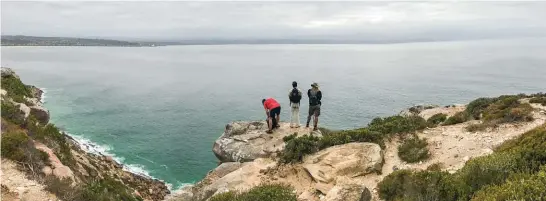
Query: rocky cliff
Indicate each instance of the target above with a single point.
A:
(26, 132)
(351, 170)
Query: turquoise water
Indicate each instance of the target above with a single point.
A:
(159, 109)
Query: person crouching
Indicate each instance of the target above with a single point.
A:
(273, 112)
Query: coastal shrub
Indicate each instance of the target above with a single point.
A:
(348, 136)
(12, 113)
(476, 107)
(263, 192)
(457, 118)
(506, 109)
(539, 100)
(297, 147)
(408, 185)
(15, 88)
(492, 175)
(413, 150)
(436, 119)
(397, 124)
(17, 146)
(106, 189)
(520, 187)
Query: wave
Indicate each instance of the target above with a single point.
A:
(104, 150)
(42, 98)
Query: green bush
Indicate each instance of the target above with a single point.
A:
(457, 118)
(106, 189)
(539, 100)
(407, 185)
(12, 113)
(413, 150)
(505, 109)
(19, 147)
(15, 88)
(14, 146)
(436, 119)
(520, 187)
(348, 136)
(263, 192)
(476, 107)
(297, 147)
(397, 124)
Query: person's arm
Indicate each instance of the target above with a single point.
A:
(308, 93)
(319, 95)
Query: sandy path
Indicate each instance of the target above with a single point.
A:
(21, 188)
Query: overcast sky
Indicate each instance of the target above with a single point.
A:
(274, 20)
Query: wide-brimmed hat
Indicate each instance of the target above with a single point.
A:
(315, 85)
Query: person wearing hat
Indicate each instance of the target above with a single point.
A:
(295, 96)
(315, 96)
(273, 112)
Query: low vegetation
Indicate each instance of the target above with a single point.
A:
(457, 118)
(379, 129)
(505, 109)
(538, 100)
(263, 192)
(17, 146)
(413, 150)
(521, 161)
(106, 189)
(436, 119)
(15, 88)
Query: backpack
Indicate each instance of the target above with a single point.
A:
(295, 96)
(313, 99)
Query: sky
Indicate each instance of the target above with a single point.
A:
(369, 21)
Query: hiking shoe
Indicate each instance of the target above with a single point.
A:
(269, 131)
(315, 128)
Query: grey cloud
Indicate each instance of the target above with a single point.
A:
(263, 20)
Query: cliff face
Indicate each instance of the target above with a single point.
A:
(352, 170)
(26, 132)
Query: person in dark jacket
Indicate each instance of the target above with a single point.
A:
(315, 97)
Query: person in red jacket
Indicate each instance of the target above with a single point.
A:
(273, 112)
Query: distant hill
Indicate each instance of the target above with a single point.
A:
(19, 40)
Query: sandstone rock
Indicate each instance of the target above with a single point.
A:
(7, 72)
(47, 170)
(306, 196)
(246, 141)
(226, 168)
(417, 109)
(348, 192)
(351, 160)
(41, 114)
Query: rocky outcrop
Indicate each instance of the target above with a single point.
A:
(41, 114)
(56, 167)
(350, 160)
(348, 192)
(319, 172)
(246, 141)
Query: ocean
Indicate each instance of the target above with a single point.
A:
(158, 110)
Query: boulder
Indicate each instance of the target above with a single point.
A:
(348, 192)
(247, 141)
(41, 114)
(350, 160)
